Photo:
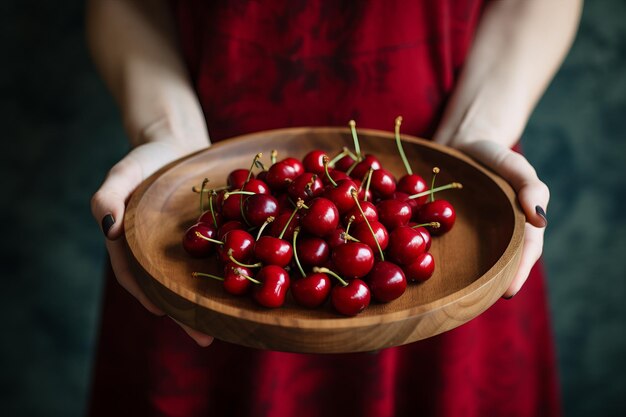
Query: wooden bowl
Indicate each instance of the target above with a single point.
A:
(475, 262)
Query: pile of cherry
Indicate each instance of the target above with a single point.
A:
(341, 228)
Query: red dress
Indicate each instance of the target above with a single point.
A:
(262, 65)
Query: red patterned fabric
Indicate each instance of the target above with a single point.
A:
(262, 65)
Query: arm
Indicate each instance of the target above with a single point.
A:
(133, 44)
(519, 45)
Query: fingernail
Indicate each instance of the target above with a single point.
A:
(107, 222)
(508, 297)
(541, 212)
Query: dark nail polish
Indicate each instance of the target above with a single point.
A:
(540, 211)
(509, 297)
(107, 222)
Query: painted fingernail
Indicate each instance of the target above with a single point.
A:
(508, 297)
(541, 212)
(107, 222)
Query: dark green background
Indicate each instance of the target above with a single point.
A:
(61, 132)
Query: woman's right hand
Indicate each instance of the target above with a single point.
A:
(108, 206)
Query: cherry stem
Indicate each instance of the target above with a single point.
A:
(350, 221)
(273, 156)
(356, 162)
(264, 225)
(432, 184)
(295, 251)
(256, 158)
(202, 274)
(326, 163)
(229, 193)
(323, 270)
(435, 225)
(248, 277)
(367, 184)
(436, 190)
(204, 182)
(199, 190)
(236, 262)
(260, 165)
(213, 193)
(299, 205)
(400, 147)
(355, 138)
(347, 237)
(340, 155)
(355, 196)
(201, 236)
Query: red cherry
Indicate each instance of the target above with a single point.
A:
(280, 175)
(256, 186)
(237, 178)
(405, 244)
(353, 260)
(274, 283)
(336, 175)
(344, 163)
(440, 211)
(336, 237)
(239, 244)
(350, 299)
(312, 290)
(387, 281)
(228, 226)
(341, 194)
(393, 213)
(368, 208)
(314, 162)
(258, 208)
(313, 251)
(383, 183)
(295, 164)
(413, 184)
(273, 251)
(421, 269)
(235, 281)
(279, 224)
(362, 233)
(231, 207)
(321, 218)
(197, 246)
(306, 187)
(400, 196)
(425, 235)
(207, 217)
(369, 161)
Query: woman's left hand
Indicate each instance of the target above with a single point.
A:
(532, 194)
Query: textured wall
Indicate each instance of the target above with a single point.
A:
(61, 133)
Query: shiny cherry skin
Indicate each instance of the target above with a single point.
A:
(306, 187)
(405, 244)
(412, 184)
(311, 291)
(256, 186)
(273, 288)
(312, 251)
(258, 208)
(280, 175)
(438, 211)
(228, 226)
(341, 195)
(387, 281)
(383, 183)
(369, 161)
(421, 269)
(238, 242)
(336, 238)
(314, 162)
(394, 213)
(196, 246)
(321, 218)
(234, 280)
(368, 208)
(277, 226)
(237, 178)
(207, 217)
(426, 236)
(231, 207)
(353, 260)
(351, 299)
(363, 234)
(270, 250)
(336, 175)
(399, 195)
(295, 164)
(344, 163)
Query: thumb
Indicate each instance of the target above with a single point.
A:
(108, 204)
(532, 194)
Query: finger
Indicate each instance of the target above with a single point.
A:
(200, 338)
(531, 252)
(532, 193)
(121, 268)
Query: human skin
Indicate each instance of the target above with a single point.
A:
(519, 45)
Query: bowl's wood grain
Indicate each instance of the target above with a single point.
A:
(475, 262)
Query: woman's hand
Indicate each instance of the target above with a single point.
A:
(532, 194)
(108, 206)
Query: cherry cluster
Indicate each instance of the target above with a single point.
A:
(320, 220)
